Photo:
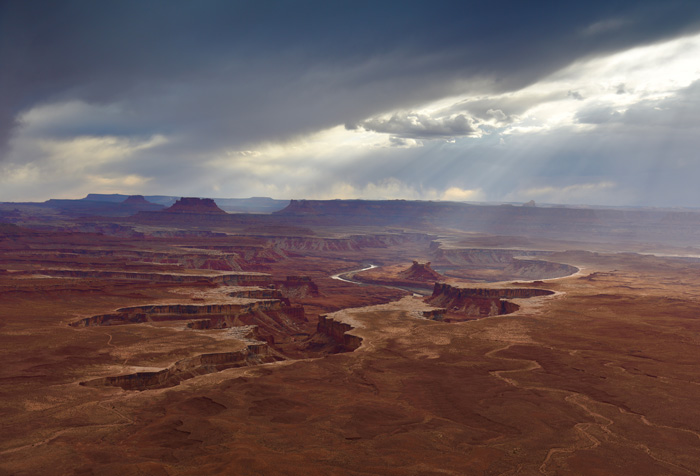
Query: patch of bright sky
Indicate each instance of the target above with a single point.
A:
(90, 151)
(75, 158)
(616, 81)
(304, 154)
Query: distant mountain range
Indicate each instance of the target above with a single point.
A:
(605, 225)
(236, 205)
(119, 205)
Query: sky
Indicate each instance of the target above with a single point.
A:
(594, 102)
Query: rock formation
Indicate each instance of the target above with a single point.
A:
(417, 278)
(338, 332)
(195, 205)
(420, 272)
(136, 200)
(480, 302)
(254, 354)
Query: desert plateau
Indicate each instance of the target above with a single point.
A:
(385, 339)
(349, 238)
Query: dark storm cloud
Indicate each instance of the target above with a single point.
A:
(219, 73)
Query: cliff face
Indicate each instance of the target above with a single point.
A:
(435, 314)
(338, 332)
(257, 294)
(152, 277)
(253, 354)
(496, 264)
(293, 287)
(480, 302)
(297, 287)
(179, 312)
(452, 292)
(349, 243)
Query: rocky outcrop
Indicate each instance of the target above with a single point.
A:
(338, 333)
(417, 278)
(297, 287)
(480, 302)
(420, 272)
(435, 314)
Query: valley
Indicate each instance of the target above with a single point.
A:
(197, 341)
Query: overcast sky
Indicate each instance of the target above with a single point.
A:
(594, 102)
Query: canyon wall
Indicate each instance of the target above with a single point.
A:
(480, 302)
(253, 354)
(178, 312)
(338, 332)
(496, 264)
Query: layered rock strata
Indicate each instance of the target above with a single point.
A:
(338, 332)
(480, 302)
(252, 354)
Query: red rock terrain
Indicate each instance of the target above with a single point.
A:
(420, 272)
(185, 348)
(416, 277)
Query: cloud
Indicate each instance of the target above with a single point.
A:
(404, 143)
(604, 26)
(576, 95)
(387, 189)
(249, 98)
(268, 71)
(413, 125)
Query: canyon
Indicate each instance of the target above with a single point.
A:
(461, 339)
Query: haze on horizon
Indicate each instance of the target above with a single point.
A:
(567, 102)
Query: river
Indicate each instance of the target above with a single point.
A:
(347, 275)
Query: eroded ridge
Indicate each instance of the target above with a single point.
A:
(332, 337)
(495, 264)
(254, 353)
(480, 302)
(339, 333)
(254, 309)
(179, 312)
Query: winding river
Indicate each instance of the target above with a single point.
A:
(347, 275)
(347, 278)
